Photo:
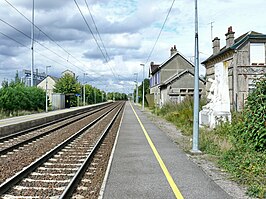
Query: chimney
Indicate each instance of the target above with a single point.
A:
(229, 37)
(216, 45)
(173, 50)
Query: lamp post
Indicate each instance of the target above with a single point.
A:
(143, 88)
(137, 99)
(46, 97)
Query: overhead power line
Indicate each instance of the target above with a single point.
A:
(160, 31)
(11, 38)
(97, 30)
(49, 37)
(99, 35)
(40, 44)
(96, 41)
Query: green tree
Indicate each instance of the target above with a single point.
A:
(68, 85)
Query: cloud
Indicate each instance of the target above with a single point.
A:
(128, 29)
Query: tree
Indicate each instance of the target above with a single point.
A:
(146, 90)
(68, 85)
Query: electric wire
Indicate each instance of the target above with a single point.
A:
(11, 38)
(160, 31)
(39, 43)
(49, 37)
(97, 43)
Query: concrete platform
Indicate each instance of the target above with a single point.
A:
(137, 171)
(15, 124)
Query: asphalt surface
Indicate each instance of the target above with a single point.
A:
(136, 173)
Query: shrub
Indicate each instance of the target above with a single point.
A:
(254, 127)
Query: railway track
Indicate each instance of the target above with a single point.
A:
(16, 140)
(58, 173)
(14, 161)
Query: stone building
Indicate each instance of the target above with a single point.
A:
(245, 60)
(173, 80)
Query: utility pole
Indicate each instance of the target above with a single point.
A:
(143, 88)
(32, 45)
(195, 143)
(94, 95)
(84, 99)
(46, 93)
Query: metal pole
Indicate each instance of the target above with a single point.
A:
(46, 93)
(136, 87)
(94, 96)
(32, 45)
(84, 94)
(137, 91)
(84, 102)
(143, 88)
(195, 143)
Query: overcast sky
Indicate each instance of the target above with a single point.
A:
(128, 30)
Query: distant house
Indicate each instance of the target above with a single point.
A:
(68, 72)
(245, 59)
(173, 80)
(50, 85)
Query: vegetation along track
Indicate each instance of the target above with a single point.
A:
(16, 160)
(57, 173)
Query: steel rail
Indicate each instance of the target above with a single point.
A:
(9, 183)
(15, 146)
(81, 171)
(2, 139)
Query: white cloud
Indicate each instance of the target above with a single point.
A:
(128, 30)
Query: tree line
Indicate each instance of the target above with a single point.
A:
(16, 97)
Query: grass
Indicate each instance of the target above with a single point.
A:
(244, 163)
(4, 115)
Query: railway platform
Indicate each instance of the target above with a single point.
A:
(147, 164)
(20, 123)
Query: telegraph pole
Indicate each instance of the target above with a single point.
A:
(195, 143)
(32, 45)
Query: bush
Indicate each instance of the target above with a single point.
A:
(17, 98)
(180, 114)
(254, 127)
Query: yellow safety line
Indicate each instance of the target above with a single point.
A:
(169, 178)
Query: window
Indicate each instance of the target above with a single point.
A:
(257, 53)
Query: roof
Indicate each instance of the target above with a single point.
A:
(237, 43)
(154, 68)
(173, 56)
(52, 77)
(177, 76)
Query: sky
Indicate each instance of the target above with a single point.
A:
(128, 30)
